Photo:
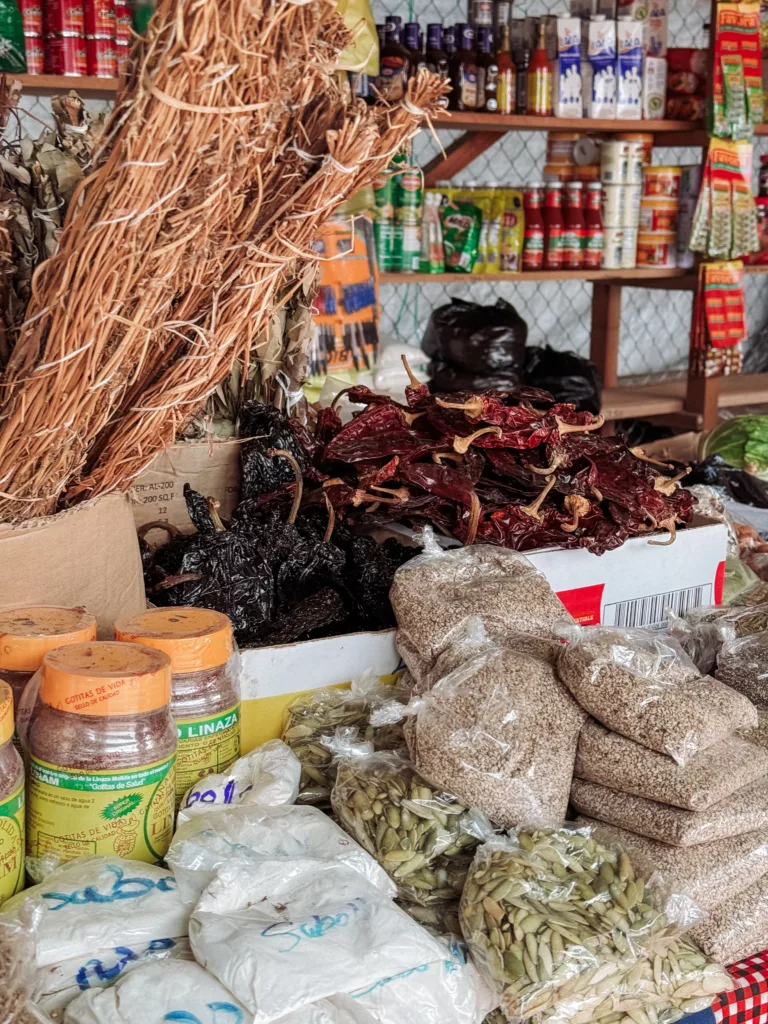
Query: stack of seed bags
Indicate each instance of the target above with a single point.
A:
(664, 762)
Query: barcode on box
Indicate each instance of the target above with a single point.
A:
(652, 611)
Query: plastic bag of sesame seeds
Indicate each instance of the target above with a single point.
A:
(641, 684)
(736, 929)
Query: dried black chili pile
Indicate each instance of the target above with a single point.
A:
(514, 468)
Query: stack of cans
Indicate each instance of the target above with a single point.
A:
(32, 19)
(101, 37)
(124, 18)
(621, 172)
(65, 52)
(658, 217)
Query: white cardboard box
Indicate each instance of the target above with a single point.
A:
(631, 586)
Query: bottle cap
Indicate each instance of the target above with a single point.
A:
(27, 634)
(6, 712)
(193, 638)
(106, 678)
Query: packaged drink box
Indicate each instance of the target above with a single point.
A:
(654, 87)
(567, 79)
(629, 49)
(602, 58)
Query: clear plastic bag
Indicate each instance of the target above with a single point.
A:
(759, 735)
(639, 683)
(500, 732)
(562, 923)
(250, 835)
(435, 593)
(612, 760)
(746, 810)
(422, 837)
(743, 665)
(733, 620)
(313, 719)
(736, 928)
(282, 934)
(17, 960)
(701, 641)
(710, 873)
(269, 776)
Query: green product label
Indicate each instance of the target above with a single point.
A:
(206, 745)
(125, 812)
(12, 844)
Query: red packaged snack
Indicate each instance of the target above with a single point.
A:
(686, 83)
(32, 17)
(686, 108)
(66, 55)
(100, 18)
(102, 57)
(64, 17)
(35, 49)
(124, 27)
(687, 58)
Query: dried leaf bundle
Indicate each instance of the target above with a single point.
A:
(231, 145)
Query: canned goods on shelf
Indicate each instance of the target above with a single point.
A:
(558, 172)
(612, 204)
(560, 147)
(613, 245)
(631, 208)
(658, 213)
(35, 49)
(635, 162)
(644, 138)
(587, 172)
(124, 26)
(100, 18)
(614, 159)
(123, 54)
(586, 152)
(102, 57)
(32, 17)
(63, 17)
(657, 250)
(662, 181)
(629, 249)
(65, 54)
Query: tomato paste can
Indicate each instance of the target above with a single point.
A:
(658, 213)
(613, 244)
(614, 160)
(100, 18)
(657, 250)
(644, 138)
(63, 17)
(124, 23)
(102, 57)
(65, 54)
(629, 249)
(631, 208)
(123, 54)
(32, 17)
(662, 181)
(35, 49)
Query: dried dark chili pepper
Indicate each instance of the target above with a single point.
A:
(198, 511)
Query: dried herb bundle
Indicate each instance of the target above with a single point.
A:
(231, 145)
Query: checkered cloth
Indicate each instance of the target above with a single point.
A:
(747, 1004)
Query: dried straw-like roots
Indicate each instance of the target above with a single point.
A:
(232, 144)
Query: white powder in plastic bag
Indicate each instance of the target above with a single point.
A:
(327, 1011)
(447, 991)
(250, 835)
(102, 902)
(172, 990)
(285, 933)
(269, 776)
(57, 985)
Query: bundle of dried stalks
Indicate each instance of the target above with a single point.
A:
(231, 145)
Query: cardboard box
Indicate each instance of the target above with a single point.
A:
(632, 586)
(210, 467)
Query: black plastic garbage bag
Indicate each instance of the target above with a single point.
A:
(482, 340)
(570, 378)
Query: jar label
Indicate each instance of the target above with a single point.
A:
(12, 844)
(127, 812)
(206, 745)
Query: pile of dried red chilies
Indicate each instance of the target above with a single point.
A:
(514, 468)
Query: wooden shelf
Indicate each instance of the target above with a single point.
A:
(467, 121)
(667, 398)
(104, 87)
(682, 278)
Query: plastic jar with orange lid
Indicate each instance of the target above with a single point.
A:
(11, 803)
(27, 634)
(206, 685)
(102, 751)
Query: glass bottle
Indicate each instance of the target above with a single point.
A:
(412, 41)
(505, 92)
(452, 39)
(522, 61)
(553, 217)
(486, 63)
(573, 254)
(395, 62)
(533, 237)
(468, 82)
(594, 234)
(436, 57)
(540, 77)
(11, 803)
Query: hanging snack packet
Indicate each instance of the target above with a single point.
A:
(461, 235)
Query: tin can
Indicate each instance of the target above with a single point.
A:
(629, 249)
(631, 208)
(124, 23)
(560, 147)
(63, 17)
(613, 200)
(558, 172)
(658, 214)
(657, 250)
(102, 57)
(614, 160)
(66, 55)
(123, 55)
(100, 18)
(646, 140)
(32, 17)
(635, 162)
(662, 181)
(35, 49)
(613, 246)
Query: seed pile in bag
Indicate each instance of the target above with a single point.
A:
(713, 775)
(746, 810)
(743, 665)
(500, 732)
(640, 684)
(711, 873)
(562, 924)
(737, 927)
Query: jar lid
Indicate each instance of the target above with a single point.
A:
(193, 638)
(6, 712)
(27, 634)
(106, 678)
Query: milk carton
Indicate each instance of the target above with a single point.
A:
(656, 34)
(629, 47)
(602, 59)
(567, 82)
(654, 86)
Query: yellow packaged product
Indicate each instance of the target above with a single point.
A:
(482, 198)
(493, 242)
(11, 803)
(512, 230)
